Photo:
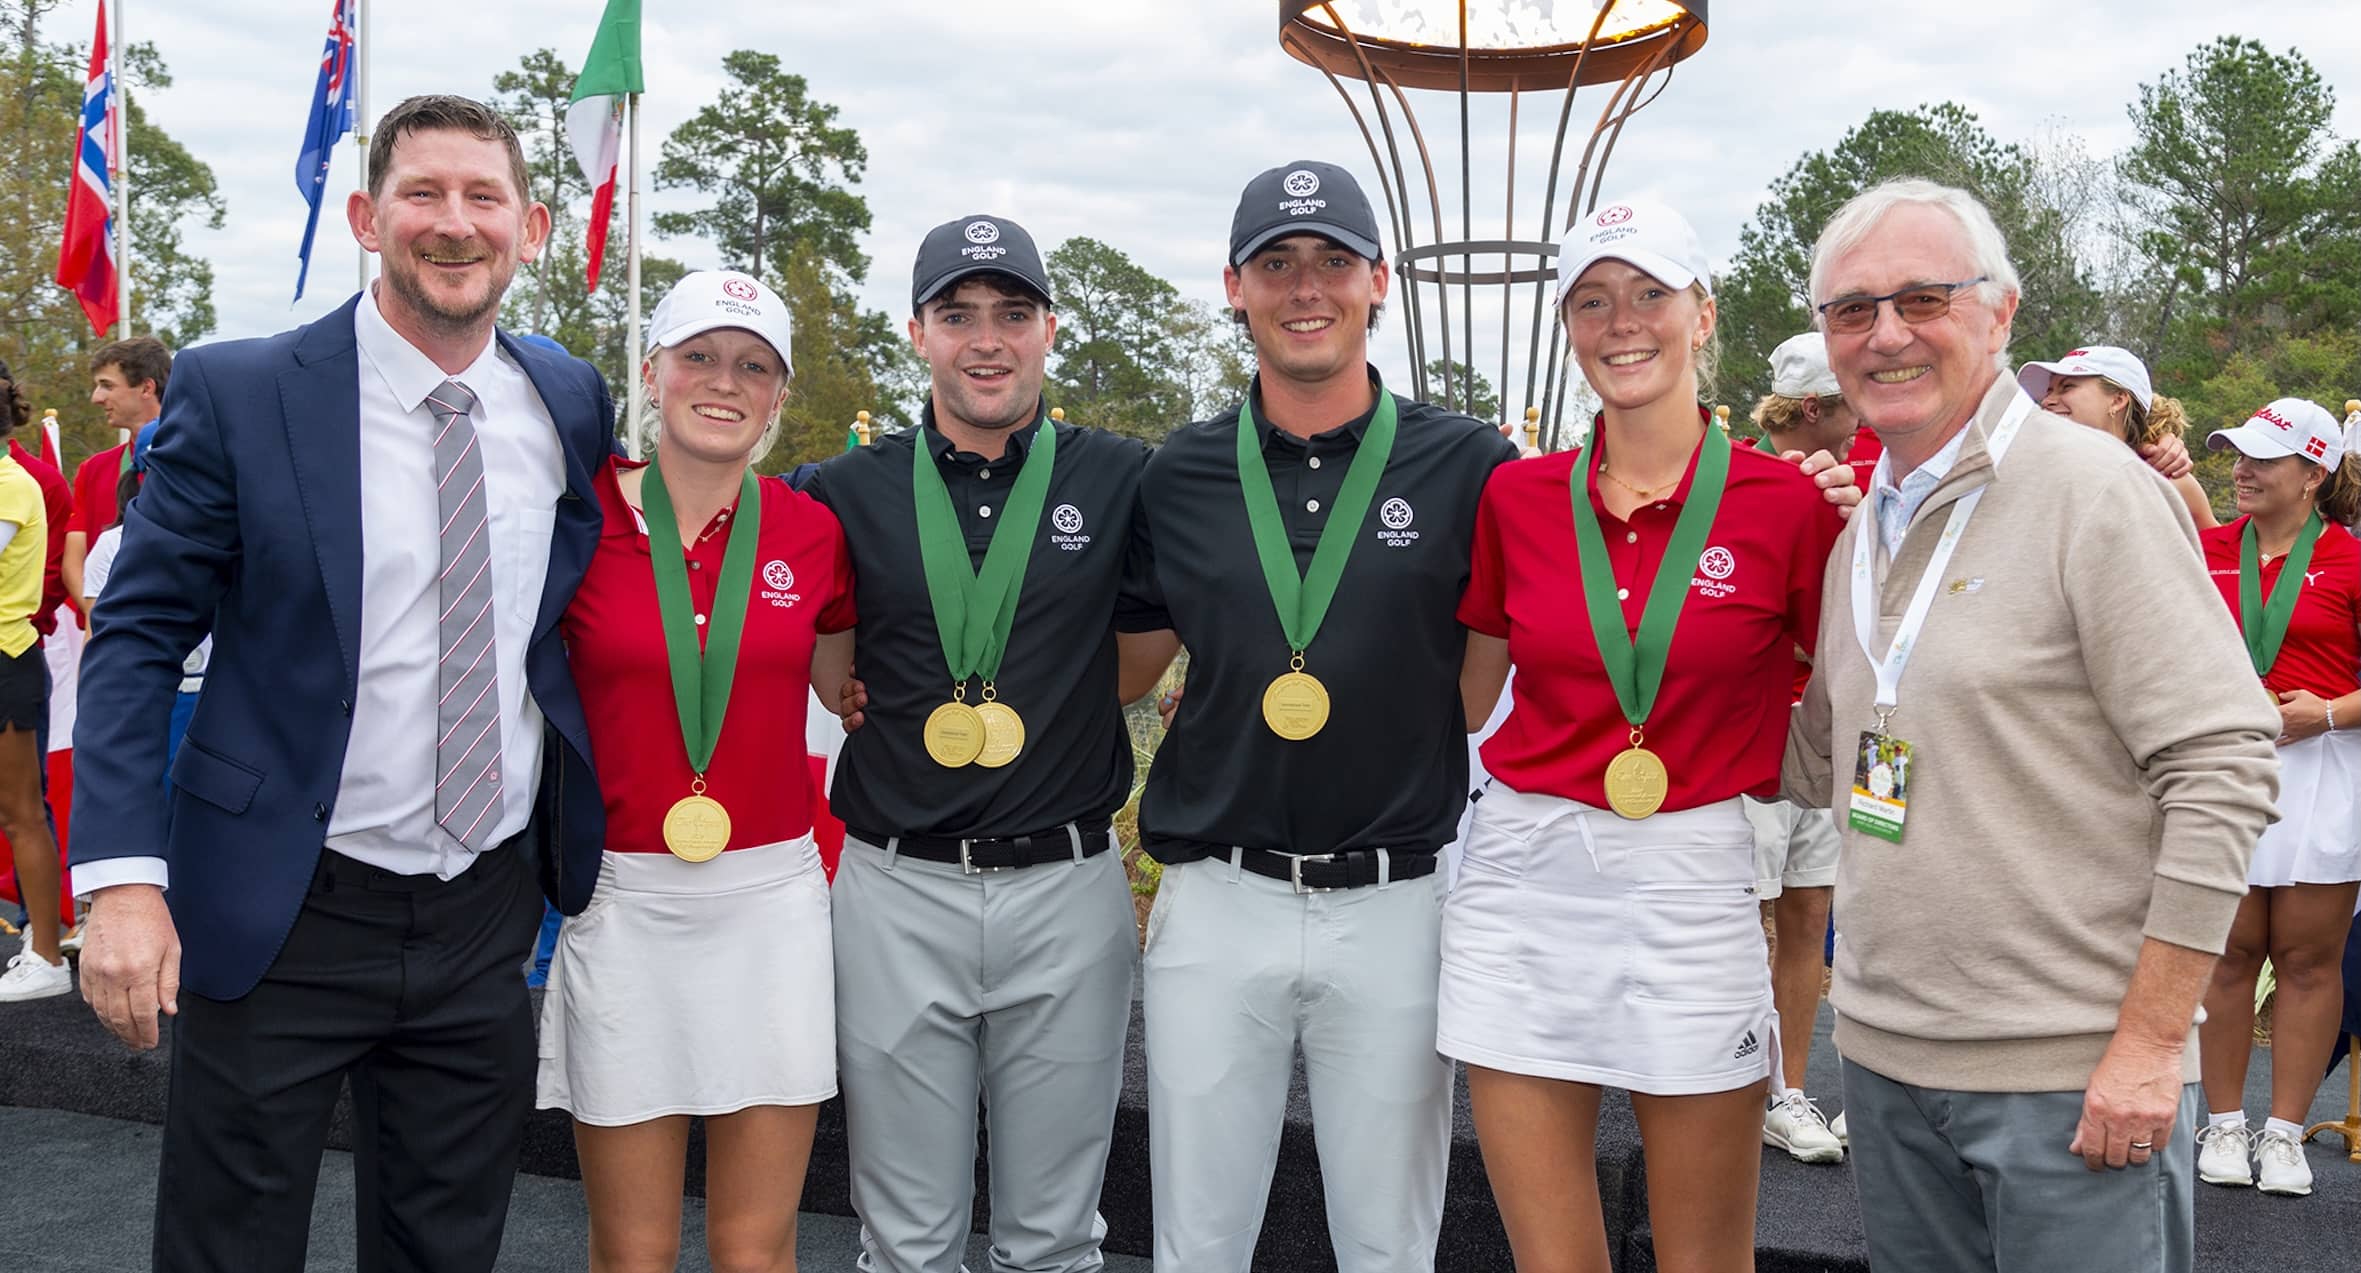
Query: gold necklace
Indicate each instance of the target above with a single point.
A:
(1644, 492)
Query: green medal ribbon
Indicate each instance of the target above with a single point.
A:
(974, 610)
(701, 678)
(1636, 667)
(2265, 635)
(1302, 600)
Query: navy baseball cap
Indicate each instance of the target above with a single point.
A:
(1304, 197)
(978, 244)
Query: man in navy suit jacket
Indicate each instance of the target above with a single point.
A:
(333, 889)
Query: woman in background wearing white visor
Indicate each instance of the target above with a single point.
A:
(2107, 389)
(2294, 582)
(698, 981)
(1651, 590)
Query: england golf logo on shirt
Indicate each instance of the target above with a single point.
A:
(1065, 521)
(777, 578)
(1714, 567)
(1395, 515)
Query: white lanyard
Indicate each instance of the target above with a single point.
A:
(1865, 589)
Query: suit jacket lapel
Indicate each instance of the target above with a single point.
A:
(320, 405)
(583, 438)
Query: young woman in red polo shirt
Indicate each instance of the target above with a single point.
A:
(698, 980)
(2293, 580)
(1603, 931)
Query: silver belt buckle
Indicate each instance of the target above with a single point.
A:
(967, 865)
(1295, 871)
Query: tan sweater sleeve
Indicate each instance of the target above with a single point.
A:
(2171, 675)
(1806, 774)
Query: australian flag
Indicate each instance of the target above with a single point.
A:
(331, 118)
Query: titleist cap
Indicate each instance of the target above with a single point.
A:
(2119, 365)
(2289, 426)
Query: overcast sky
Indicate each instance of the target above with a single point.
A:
(1137, 122)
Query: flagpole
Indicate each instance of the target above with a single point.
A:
(119, 169)
(631, 354)
(360, 74)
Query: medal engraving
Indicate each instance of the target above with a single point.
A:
(1295, 706)
(1004, 734)
(954, 735)
(696, 829)
(1636, 783)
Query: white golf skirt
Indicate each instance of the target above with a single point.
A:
(1578, 945)
(693, 988)
(2317, 839)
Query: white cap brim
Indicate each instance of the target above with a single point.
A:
(2034, 377)
(1655, 265)
(699, 326)
(2251, 442)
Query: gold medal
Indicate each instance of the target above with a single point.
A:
(1295, 705)
(1636, 783)
(696, 827)
(955, 735)
(1004, 733)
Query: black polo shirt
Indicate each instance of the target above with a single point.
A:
(1060, 670)
(1390, 769)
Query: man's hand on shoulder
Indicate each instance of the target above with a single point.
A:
(1832, 476)
(131, 961)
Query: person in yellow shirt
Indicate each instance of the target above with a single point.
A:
(38, 970)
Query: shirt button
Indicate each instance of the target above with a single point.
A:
(700, 621)
(1311, 506)
(1621, 594)
(985, 511)
(696, 565)
(1631, 537)
(1314, 461)
(1661, 507)
(985, 474)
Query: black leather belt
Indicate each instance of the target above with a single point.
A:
(1328, 872)
(998, 853)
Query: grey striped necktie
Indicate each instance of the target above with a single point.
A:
(467, 717)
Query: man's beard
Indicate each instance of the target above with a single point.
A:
(408, 280)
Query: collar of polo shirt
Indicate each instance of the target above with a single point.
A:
(1352, 428)
(1020, 439)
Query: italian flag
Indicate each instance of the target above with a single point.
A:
(594, 123)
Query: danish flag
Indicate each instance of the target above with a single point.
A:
(2316, 447)
(86, 258)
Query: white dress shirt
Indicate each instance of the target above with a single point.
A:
(385, 801)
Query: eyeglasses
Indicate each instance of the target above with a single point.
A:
(1917, 303)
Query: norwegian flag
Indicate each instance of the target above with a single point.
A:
(331, 118)
(86, 258)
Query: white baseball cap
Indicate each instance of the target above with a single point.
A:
(1799, 368)
(712, 299)
(2289, 426)
(2119, 365)
(1644, 235)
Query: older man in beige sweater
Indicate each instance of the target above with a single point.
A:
(2026, 920)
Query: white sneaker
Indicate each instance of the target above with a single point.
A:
(1843, 1137)
(29, 976)
(2224, 1155)
(1794, 1124)
(2282, 1167)
(71, 943)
